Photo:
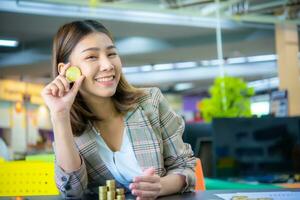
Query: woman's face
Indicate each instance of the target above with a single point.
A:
(99, 62)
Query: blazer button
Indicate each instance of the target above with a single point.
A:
(67, 187)
(64, 178)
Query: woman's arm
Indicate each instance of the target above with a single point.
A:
(70, 171)
(171, 184)
(67, 156)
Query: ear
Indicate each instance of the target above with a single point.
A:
(59, 67)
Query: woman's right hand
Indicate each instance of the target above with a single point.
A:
(58, 96)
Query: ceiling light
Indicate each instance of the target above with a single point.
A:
(262, 58)
(205, 62)
(168, 66)
(183, 86)
(127, 70)
(8, 43)
(184, 65)
(236, 60)
(146, 68)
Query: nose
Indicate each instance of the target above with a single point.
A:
(105, 64)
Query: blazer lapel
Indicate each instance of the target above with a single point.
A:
(96, 169)
(145, 143)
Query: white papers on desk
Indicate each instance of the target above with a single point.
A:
(284, 195)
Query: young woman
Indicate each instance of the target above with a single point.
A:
(104, 128)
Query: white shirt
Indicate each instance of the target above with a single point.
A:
(122, 164)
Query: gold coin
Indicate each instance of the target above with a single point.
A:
(73, 73)
(120, 197)
(102, 189)
(120, 191)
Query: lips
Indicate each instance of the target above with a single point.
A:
(105, 79)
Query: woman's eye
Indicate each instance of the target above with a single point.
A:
(112, 54)
(91, 58)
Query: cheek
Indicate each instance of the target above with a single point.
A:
(87, 70)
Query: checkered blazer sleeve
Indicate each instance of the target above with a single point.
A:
(178, 156)
(73, 184)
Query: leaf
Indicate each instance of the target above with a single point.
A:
(230, 97)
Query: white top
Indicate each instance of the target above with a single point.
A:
(122, 164)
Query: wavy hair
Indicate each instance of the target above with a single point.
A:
(65, 40)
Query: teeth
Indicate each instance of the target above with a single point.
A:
(105, 79)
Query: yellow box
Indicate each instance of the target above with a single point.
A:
(27, 178)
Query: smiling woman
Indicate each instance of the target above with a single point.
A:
(104, 128)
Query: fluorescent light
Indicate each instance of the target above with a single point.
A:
(184, 65)
(8, 43)
(146, 68)
(216, 62)
(236, 60)
(128, 70)
(205, 62)
(163, 66)
(183, 86)
(262, 58)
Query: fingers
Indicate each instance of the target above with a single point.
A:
(144, 194)
(65, 83)
(151, 178)
(145, 186)
(59, 86)
(148, 172)
(77, 84)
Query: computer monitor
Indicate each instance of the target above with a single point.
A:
(256, 146)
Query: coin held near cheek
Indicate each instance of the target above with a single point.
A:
(73, 73)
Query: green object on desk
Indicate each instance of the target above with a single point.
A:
(41, 157)
(216, 184)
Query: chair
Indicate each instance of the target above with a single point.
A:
(200, 183)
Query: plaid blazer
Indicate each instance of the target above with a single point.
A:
(155, 132)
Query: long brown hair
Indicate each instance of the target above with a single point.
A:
(65, 40)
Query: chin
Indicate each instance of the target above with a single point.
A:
(106, 93)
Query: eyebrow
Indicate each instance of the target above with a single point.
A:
(98, 49)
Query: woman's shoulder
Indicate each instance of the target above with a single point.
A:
(150, 94)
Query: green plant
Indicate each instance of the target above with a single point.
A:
(230, 97)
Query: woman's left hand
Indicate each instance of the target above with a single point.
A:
(146, 187)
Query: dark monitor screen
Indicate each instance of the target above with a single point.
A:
(256, 146)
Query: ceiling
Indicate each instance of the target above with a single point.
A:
(150, 33)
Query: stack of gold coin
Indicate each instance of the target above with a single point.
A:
(111, 195)
(109, 192)
(120, 194)
(111, 185)
(102, 193)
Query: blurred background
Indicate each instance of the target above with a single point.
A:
(229, 68)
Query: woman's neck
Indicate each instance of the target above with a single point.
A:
(103, 108)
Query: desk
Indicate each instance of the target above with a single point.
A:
(209, 195)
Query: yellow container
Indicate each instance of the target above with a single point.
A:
(27, 178)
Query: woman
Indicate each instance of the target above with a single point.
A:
(104, 128)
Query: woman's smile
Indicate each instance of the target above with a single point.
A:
(106, 81)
